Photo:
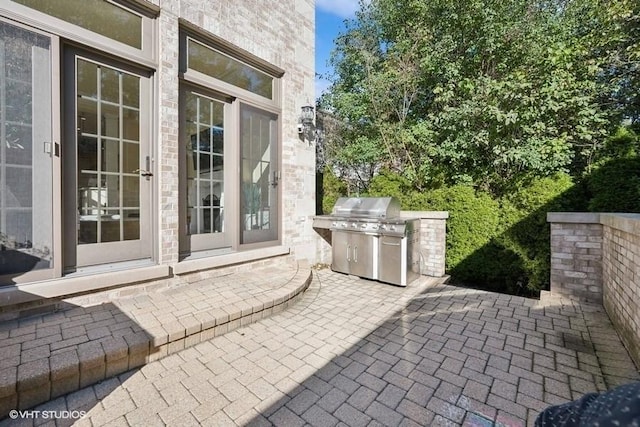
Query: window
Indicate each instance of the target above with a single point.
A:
(98, 16)
(229, 147)
(215, 64)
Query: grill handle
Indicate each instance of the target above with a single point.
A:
(390, 244)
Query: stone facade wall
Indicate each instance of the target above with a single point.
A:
(279, 32)
(596, 257)
(576, 256)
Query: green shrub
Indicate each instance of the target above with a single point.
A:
(615, 186)
(391, 184)
(624, 144)
(525, 231)
(332, 189)
(472, 223)
(495, 244)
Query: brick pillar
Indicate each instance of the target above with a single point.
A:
(433, 240)
(576, 256)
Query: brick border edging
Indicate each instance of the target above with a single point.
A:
(45, 379)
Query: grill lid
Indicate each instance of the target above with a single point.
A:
(367, 207)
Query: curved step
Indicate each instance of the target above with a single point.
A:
(50, 355)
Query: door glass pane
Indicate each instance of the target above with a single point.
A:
(108, 156)
(205, 171)
(99, 16)
(26, 232)
(258, 175)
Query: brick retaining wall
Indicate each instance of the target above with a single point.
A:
(596, 258)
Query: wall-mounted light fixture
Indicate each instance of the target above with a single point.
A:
(306, 127)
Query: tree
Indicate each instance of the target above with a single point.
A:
(486, 92)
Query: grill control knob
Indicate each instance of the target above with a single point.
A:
(392, 228)
(354, 225)
(363, 226)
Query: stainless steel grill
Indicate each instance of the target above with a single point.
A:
(371, 240)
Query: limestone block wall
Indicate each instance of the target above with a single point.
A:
(596, 257)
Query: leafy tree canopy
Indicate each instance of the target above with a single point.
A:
(481, 92)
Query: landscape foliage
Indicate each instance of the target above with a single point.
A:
(497, 111)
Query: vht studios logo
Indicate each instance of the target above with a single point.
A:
(46, 415)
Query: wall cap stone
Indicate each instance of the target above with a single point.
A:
(574, 217)
(626, 222)
(425, 214)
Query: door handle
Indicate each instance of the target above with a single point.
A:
(348, 249)
(143, 172)
(355, 254)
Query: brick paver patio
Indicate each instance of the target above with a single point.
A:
(354, 352)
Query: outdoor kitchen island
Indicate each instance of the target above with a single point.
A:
(370, 239)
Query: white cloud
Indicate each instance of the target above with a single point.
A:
(342, 8)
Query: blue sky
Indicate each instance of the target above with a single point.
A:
(330, 17)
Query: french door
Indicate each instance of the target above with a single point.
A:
(108, 163)
(259, 175)
(206, 172)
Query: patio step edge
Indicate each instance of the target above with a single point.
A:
(45, 379)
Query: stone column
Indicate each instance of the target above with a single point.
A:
(576, 256)
(433, 240)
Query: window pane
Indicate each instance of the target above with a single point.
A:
(87, 79)
(131, 223)
(204, 134)
(109, 85)
(131, 191)
(131, 91)
(110, 155)
(131, 160)
(95, 15)
(110, 226)
(87, 116)
(130, 124)
(110, 120)
(222, 67)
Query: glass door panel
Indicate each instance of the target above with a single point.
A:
(26, 165)
(259, 176)
(204, 142)
(112, 164)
